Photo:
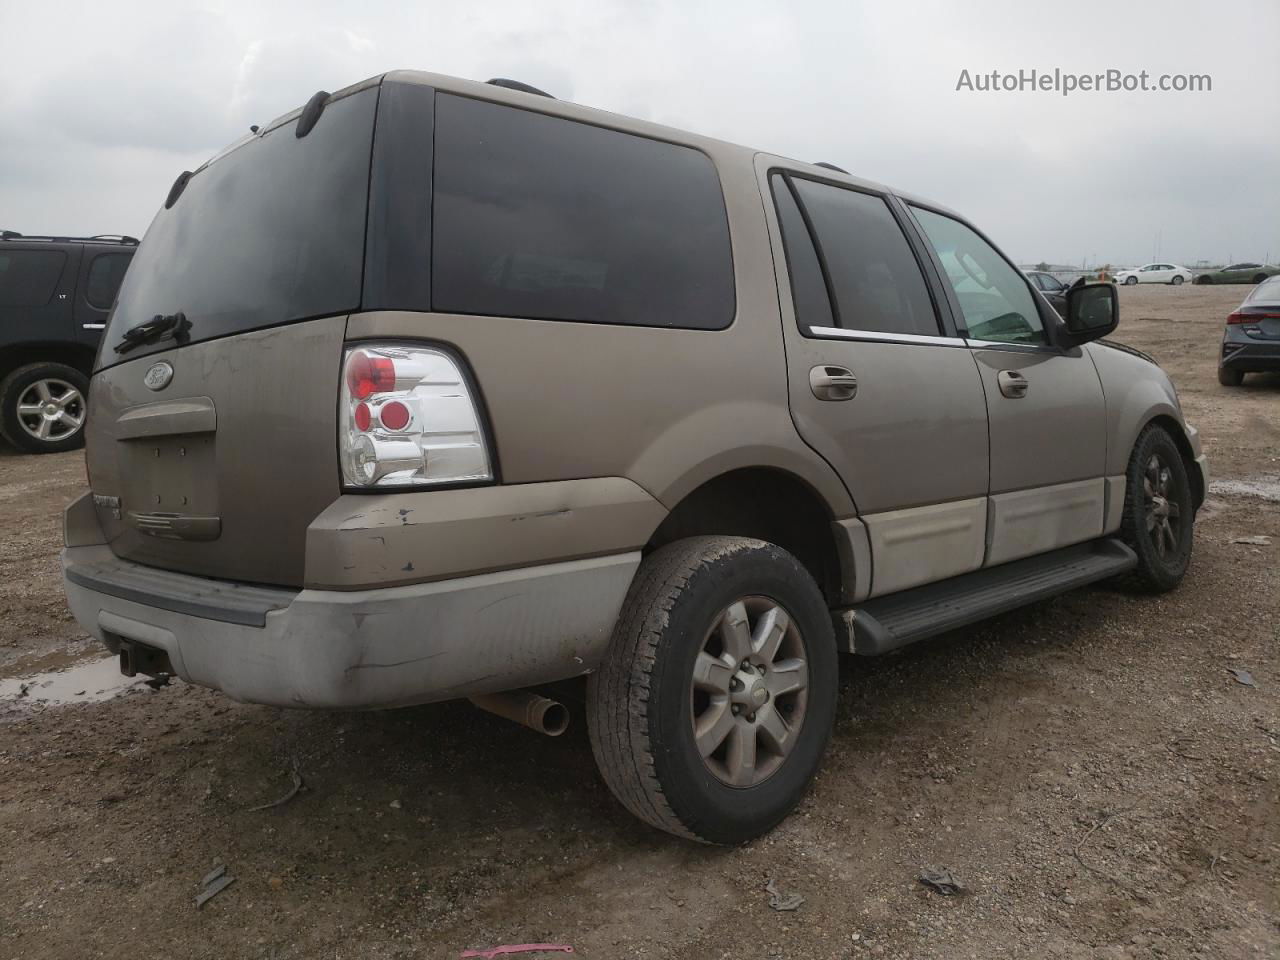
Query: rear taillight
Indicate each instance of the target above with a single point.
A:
(407, 418)
(1239, 317)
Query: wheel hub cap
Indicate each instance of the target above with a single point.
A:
(748, 692)
(1163, 513)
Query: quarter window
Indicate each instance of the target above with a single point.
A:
(28, 278)
(808, 288)
(538, 216)
(105, 274)
(875, 280)
(994, 297)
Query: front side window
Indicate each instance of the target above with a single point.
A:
(541, 217)
(105, 274)
(28, 278)
(1049, 284)
(994, 297)
(875, 279)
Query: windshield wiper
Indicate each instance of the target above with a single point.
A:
(174, 326)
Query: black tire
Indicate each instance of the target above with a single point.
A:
(1177, 281)
(641, 703)
(1259, 278)
(1157, 478)
(1130, 281)
(1204, 280)
(21, 388)
(1229, 377)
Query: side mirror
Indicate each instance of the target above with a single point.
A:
(1093, 311)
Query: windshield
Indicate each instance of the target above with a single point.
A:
(271, 232)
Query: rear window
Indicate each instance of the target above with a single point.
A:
(105, 273)
(542, 217)
(272, 231)
(29, 277)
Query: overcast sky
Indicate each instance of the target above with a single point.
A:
(103, 104)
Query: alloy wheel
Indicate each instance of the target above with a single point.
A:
(749, 691)
(1163, 513)
(51, 410)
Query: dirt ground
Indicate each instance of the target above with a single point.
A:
(1088, 769)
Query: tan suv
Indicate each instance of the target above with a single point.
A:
(438, 389)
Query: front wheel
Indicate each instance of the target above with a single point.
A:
(1159, 516)
(1204, 280)
(712, 710)
(1177, 281)
(1130, 281)
(43, 407)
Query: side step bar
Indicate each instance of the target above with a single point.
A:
(892, 621)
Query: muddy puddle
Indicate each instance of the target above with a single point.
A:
(87, 682)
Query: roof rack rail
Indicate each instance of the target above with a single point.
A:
(120, 238)
(832, 166)
(517, 85)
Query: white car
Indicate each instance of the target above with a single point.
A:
(1155, 273)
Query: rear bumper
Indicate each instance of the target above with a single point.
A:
(357, 649)
(1248, 355)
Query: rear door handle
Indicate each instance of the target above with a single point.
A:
(1012, 384)
(833, 383)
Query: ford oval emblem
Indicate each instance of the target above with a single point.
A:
(158, 375)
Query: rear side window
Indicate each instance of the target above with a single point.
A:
(28, 278)
(875, 278)
(542, 217)
(105, 274)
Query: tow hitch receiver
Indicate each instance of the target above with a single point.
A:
(136, 658)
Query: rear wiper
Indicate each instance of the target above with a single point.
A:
(174, 326)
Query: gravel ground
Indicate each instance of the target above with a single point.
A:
(1088, 769)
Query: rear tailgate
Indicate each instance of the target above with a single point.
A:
(221, 472)
(212, 438)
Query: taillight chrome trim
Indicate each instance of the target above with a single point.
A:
(393, 443)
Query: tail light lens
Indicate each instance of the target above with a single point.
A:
(1239, 317)
(407, 418)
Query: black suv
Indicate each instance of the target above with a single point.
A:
(55, 293)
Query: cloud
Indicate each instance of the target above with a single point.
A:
(105, 103)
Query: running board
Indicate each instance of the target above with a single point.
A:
(886, 623)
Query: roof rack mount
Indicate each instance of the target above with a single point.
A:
(120, 238)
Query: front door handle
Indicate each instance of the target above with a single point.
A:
(1012, 384)
(833, 383)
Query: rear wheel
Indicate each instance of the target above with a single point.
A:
(1177, 281)
(1158, 513)
(712, 710)
(43, 407)
(1229, 377)
(1259, 278)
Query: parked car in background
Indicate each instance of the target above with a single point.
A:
(1251, 341)
(55, 294)
(1054, 290)
(795, 413)
(1155, 273)
(1239, 273)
